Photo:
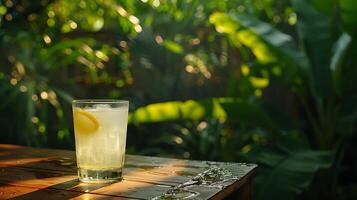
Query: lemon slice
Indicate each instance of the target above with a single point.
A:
(85, 121)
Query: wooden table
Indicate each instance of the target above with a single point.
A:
(32, 173)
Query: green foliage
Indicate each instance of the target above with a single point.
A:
(338, 54)
(189, 110)
(271, 82)
(291, 172)
(317, 77)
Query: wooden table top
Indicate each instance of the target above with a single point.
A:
(33, 173)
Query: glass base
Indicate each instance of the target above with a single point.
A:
(99, 176)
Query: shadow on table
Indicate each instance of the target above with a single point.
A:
(71, 190)
(29, 173)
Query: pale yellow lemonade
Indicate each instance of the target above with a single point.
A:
(100, 135)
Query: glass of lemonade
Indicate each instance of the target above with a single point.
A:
(100, 134)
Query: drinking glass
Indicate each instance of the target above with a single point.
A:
(100, 134)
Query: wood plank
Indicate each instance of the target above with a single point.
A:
(144, 176)
(132, 189)
(18, 193)
(32, 177)
(60, 160)
(40, 179)
(149, 169)
(238, 190)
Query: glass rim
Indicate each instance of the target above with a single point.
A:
(96, 101)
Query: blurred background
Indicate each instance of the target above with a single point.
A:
(271, 82)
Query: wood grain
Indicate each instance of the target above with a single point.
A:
(32, 173)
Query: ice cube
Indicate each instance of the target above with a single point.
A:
(101, 106)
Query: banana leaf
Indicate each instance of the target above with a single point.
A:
(287, 174)
(224, 109)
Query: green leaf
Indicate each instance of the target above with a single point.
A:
(349, 14)
(281, 43)
(173, 46)
(266, 42)
(3, 10)
(244, 112)
(290, 173)
(338, 54)
(63, 94)
(326, 6)
(230, 109)
(315, 37)
(176, 110)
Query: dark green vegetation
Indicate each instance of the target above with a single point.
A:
(263, 81)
